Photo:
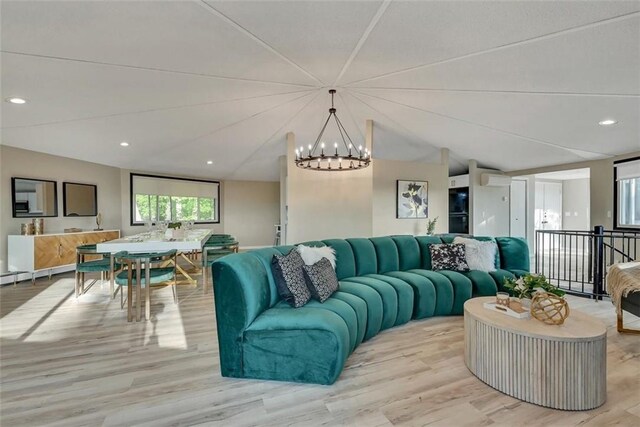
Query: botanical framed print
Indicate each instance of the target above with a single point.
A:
(412, 199)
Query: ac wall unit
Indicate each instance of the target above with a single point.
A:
(494, 180)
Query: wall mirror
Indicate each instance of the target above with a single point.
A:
(79, 199)
(34, 198)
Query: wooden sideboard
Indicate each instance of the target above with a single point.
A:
(49, 252)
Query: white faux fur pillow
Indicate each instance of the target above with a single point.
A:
(310, 255)
(480, 255)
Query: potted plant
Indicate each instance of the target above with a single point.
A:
(526, 286)
(431, 226)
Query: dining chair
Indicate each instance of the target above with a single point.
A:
(214, 248)
(141, 265)
(106, 266)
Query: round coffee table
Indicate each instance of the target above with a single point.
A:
(562, 367)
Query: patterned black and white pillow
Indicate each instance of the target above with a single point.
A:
(448, 257)
(321, 279)
(289, 277)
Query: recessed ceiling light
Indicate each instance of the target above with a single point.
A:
(209, 162)
(17, 100)
(124, 144)
(607, 122)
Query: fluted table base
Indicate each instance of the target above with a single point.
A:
(553, 371)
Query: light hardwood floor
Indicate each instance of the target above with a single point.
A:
(71, 362)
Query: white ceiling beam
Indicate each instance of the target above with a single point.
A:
(154, 69)
(206, 6)
(580, 152)
(374, 21)
(503, 47)
(509, 92)
(153, 110)
(409, 131)
(277, 132)
(237, 122)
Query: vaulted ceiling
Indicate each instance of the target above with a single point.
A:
(514, 84)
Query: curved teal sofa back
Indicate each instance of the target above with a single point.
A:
(244, 285)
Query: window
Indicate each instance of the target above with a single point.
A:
(157, 198)
(627, 193)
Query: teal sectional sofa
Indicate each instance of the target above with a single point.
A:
(384, 282)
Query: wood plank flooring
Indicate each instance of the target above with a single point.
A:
(68, 362)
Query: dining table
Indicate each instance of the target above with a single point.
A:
(184, 241)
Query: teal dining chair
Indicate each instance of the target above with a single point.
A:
(217, 246)
(144, 271)
(106, 266)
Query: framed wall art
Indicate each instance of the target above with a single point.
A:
(412, 199)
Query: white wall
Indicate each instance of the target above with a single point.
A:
(575, 204)
(249, 209)
(385, 175)
(489, 206)
(362, 203)
(15, 162)
(600, 185)
(322, 205)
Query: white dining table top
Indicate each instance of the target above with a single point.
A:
(156, 241)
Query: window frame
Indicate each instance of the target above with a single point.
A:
(216, 207)
(616, 202)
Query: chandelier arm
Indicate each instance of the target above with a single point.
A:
(341, 133)
(320, 134)
(340, 125)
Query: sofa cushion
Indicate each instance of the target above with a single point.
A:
(365, 256)
(387, 253)
(405, 296)
(424, 300)
(408, 251)
(424, 242)
(444, 291)
(483, 283)
(499, 276)
(289, 276)
(359, 307)
(514, 253)
(321, 279)
(345, 261)
(307, 345)
(519, 273)
(265, 256)
(387, 294)
(462, 289)
(339, 307)
(449, 256)
(374, 305)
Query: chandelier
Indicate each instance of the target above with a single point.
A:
(319, 157)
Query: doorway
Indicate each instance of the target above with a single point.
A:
(518, 208)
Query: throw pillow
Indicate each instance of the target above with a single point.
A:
(321, 279)
(289, 278)
(311, 254)
(479, 255)
(446, 256)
